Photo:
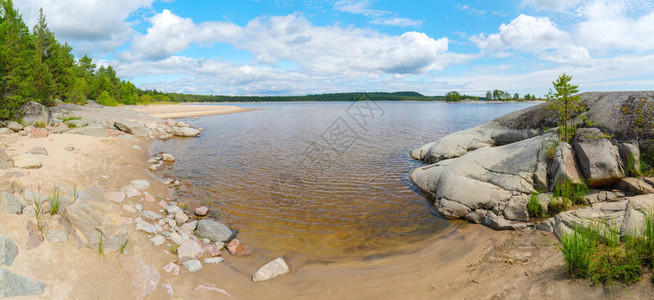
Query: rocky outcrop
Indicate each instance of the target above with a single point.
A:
(486, 174)
(36, 114)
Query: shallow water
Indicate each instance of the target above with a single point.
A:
(324, 180)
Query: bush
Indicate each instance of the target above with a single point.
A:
(534, 208)
(106, 99)
(10, 108)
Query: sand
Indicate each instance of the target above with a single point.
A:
(165, 111)
(466, 262)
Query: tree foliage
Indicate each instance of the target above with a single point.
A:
(34, 65)
(565, 105)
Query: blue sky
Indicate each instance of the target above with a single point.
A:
(288, 47)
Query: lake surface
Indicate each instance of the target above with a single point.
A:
(322, 179)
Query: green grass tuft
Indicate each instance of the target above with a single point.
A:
(38, 211)
(633, 170)
(534, 208)
(55, 201)
(101, 245)
(576, 192)
(122, 247)
(558, 205)
(70, 118)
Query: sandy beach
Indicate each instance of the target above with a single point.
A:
(467, 262)
(165, 111)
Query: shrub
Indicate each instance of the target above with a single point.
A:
(534, 208)
(10, 108)
(106, 99)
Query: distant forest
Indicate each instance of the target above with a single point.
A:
(373, 96)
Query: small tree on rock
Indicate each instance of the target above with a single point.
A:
(565, 105)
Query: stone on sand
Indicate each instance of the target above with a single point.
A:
(8, 250)
(13, 285)
(193, 265)
(27, 161)
(271, 270)
(215, 231)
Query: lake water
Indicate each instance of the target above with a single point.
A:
(322, 179)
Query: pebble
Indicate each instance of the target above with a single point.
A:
(201, 211)
(271, 270)
(176, 238)
(147, 227)
(148, 197)
(172, 268)
(140, 184)
(172, 209)
(181, 217)
(136, 147)
(158, 240)
(237, 249)
(193, 265)
(138, 207)
(168, 288)
(168, 158)
(163, 204)
(117, 197)
(213, 260)
(150, 215)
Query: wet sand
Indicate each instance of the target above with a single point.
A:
(165, 111)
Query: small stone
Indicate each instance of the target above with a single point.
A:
(172, 268)
(168, 158)
(38, 151)
(212, 249)
(150, 215)
(140, 185)
(193, 265)
(8, 251)
(188, 250)
(10, 203)
(163, 204)
(201, 211)
(27, 161)
(70, 149)
(130, 191)
(136, 147)
(15, 127)
(213, 260)
(138, 207)
(176, 238)
(180, 217)
(129, 208)
(215, 231)
(220, 245)
(39, 133)
(148, 197)
(271, 270)
(237, 249)
(158, 240)
(146, 227)
(168, 288)
(172, 209)
(206, 241)
(188, 228)
(162, 222)
(56, 236)
(117, 197)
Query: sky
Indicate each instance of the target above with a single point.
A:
(289, 47)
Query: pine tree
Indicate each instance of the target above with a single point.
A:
(565, 105)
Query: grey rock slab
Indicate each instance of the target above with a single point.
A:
(8, 250)
(271, 270)
(10, 203)
(13, 285)
(564, 166)
(634, 186)
(214, 231)
(90, 130)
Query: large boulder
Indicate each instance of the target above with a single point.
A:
(214, 231)
(598, 158)
(563, 166)
(12, 285)
(491, 178)
(90, 130)
(132, 128)
(36, 114)
(91, 216)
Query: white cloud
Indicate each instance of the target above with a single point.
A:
(377, 17)
(316, 49)
(611, 25)
(533, 35)
(552, 5)
(97, 20)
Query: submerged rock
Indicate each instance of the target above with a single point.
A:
(193, 265)
(235, 248)
(185, 131)
(271, 270)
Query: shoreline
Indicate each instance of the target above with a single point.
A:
(468, 261)
(178, 111)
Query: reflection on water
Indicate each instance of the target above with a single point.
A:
(321, 179)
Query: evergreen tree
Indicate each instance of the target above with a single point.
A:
(565, 105)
